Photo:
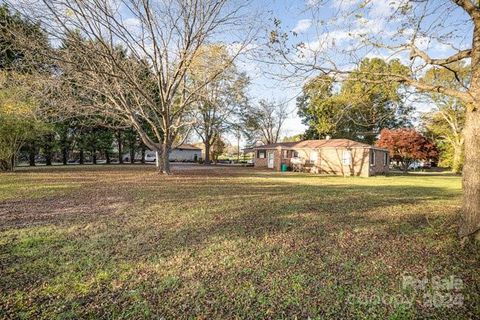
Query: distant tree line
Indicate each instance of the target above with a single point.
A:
(73, 142)
(90, 98)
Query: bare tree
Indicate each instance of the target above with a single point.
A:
(135, 56)
(218, 101)
(408, 30)
(264, 121)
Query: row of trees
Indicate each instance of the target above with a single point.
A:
(71, 141)
(85, 103)
(150, 76)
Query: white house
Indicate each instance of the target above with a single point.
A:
(184, 152)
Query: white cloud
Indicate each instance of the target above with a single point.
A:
(302, 26)
(132, 23)
(383, 8)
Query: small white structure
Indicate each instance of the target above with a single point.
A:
(184, 152)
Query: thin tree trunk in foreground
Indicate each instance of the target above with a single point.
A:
(119, 141)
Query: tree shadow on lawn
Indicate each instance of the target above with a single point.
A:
(331, 235)
(259, 211)
(329, 242)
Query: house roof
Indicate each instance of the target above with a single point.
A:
(187, 146)
(315, 144)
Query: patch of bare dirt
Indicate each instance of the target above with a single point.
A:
(59, 209)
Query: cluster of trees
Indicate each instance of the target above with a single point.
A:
(361, 110)
(355, 108)
(445, 123)
(19, 120)
(81, 142)
(155, 76)
(164, 82)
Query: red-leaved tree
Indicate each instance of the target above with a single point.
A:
(406, 146)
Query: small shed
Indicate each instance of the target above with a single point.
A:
(186, 152)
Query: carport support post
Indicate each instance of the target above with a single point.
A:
(157, 159)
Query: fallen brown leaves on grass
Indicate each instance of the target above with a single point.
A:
(219, 242)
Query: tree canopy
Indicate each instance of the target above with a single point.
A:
(356, 108)
(406, 146)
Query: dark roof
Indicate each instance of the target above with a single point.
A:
(187, 146)
(315, 144)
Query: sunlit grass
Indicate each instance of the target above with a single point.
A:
(125, 242)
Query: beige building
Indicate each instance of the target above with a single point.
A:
(330, 156)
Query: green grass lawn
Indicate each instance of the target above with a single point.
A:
(125, 242)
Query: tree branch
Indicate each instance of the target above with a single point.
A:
(416, 52)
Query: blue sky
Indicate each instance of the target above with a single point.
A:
(344, 33)
(336, 26)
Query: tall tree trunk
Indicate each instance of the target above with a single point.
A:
(82, 156)
(143, 154)
(94, 156)
(48, 150)
(31, 154)
(65, 146)
(120, 149)
(470, 225)
(13, 159)
(238, 149)
(163, 163)
(207, 152)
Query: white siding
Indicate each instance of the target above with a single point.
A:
(175, 155)
(185, 155)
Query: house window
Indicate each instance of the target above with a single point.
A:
(261, 154)
(285, 154)
(372, 157)
(385, 158)
(347, 157)
(295, 154)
